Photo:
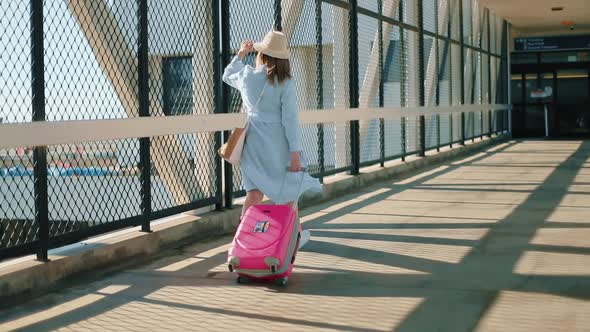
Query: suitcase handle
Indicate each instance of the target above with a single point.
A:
(302, 171)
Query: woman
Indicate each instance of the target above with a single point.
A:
(273, 140)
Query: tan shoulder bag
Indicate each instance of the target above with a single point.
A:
(231, 151)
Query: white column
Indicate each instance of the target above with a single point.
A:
(341, 82)
(203, 90)
(369, 86)
(119, 64)
(291, 13)
(431, 68)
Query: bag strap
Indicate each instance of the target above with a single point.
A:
(259, 97)
(261, 92)
(257, 101)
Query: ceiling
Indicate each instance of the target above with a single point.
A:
(535, 16)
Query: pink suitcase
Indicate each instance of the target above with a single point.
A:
(265, 244)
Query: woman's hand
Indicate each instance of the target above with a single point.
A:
(295, 162)
(247, 47)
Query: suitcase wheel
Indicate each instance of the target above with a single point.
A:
(242, 280)
(282, 281)
(230, 268)
(273, 269)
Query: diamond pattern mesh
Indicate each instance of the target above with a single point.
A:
(15, 92)
(431, 131)
(336, 73)
(100, 47)
(91, 184)
(16, 198)
(304, 67)
(181, 83)
(393, 64)
(369, 76)
(17, 225)
(445, 129)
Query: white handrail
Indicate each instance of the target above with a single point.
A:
(31, 134)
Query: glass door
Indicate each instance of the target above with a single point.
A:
(573, 102)
(531, 94)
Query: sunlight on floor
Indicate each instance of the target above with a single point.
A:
(551, 263)
(437, 252)
(523, 312)
(193, 260)
(61, 309)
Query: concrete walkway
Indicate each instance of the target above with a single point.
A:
(499, 241)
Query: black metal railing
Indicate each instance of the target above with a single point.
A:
(95, 60)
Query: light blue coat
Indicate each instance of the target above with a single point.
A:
(272, 135)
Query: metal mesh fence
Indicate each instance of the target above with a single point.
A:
(16, 198)
(429, 15)
(93, 60)
(183, 167)
(17, 226)
(306, 66)
(87, 185)
(431, 72)
(444, 75)
(393, 73)
(446, 129)
(456, 124)
(467, 8)
(409, 11)
(91, 184)
(455, 19)
(411, 127)
(369, 78)
(100, 46)
(456, 74)
(15, 92)
(432, 131)
(335, 32)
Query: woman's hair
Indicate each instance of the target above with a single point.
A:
(277, 69)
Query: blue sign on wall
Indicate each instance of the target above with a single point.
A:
(552, 43)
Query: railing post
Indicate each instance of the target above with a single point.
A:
(489, 46)
(508, 98)
(354, 85)
(473, 126)
(481, 124)
(462, 70)
(38, 108)
(381, 85)
(403, 139)
(489, 123)
(438, 133)
(217, 84)
(144, 111)
(450, 48)
(278, 18)
(451, 133)
(228, 173)
(320, 84)
(403, 79)
(421, 92)
(437, 66)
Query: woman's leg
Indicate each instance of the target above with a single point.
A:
(253, 197)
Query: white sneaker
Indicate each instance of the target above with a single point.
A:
(305, 237)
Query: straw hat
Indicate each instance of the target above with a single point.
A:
(274, 44)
